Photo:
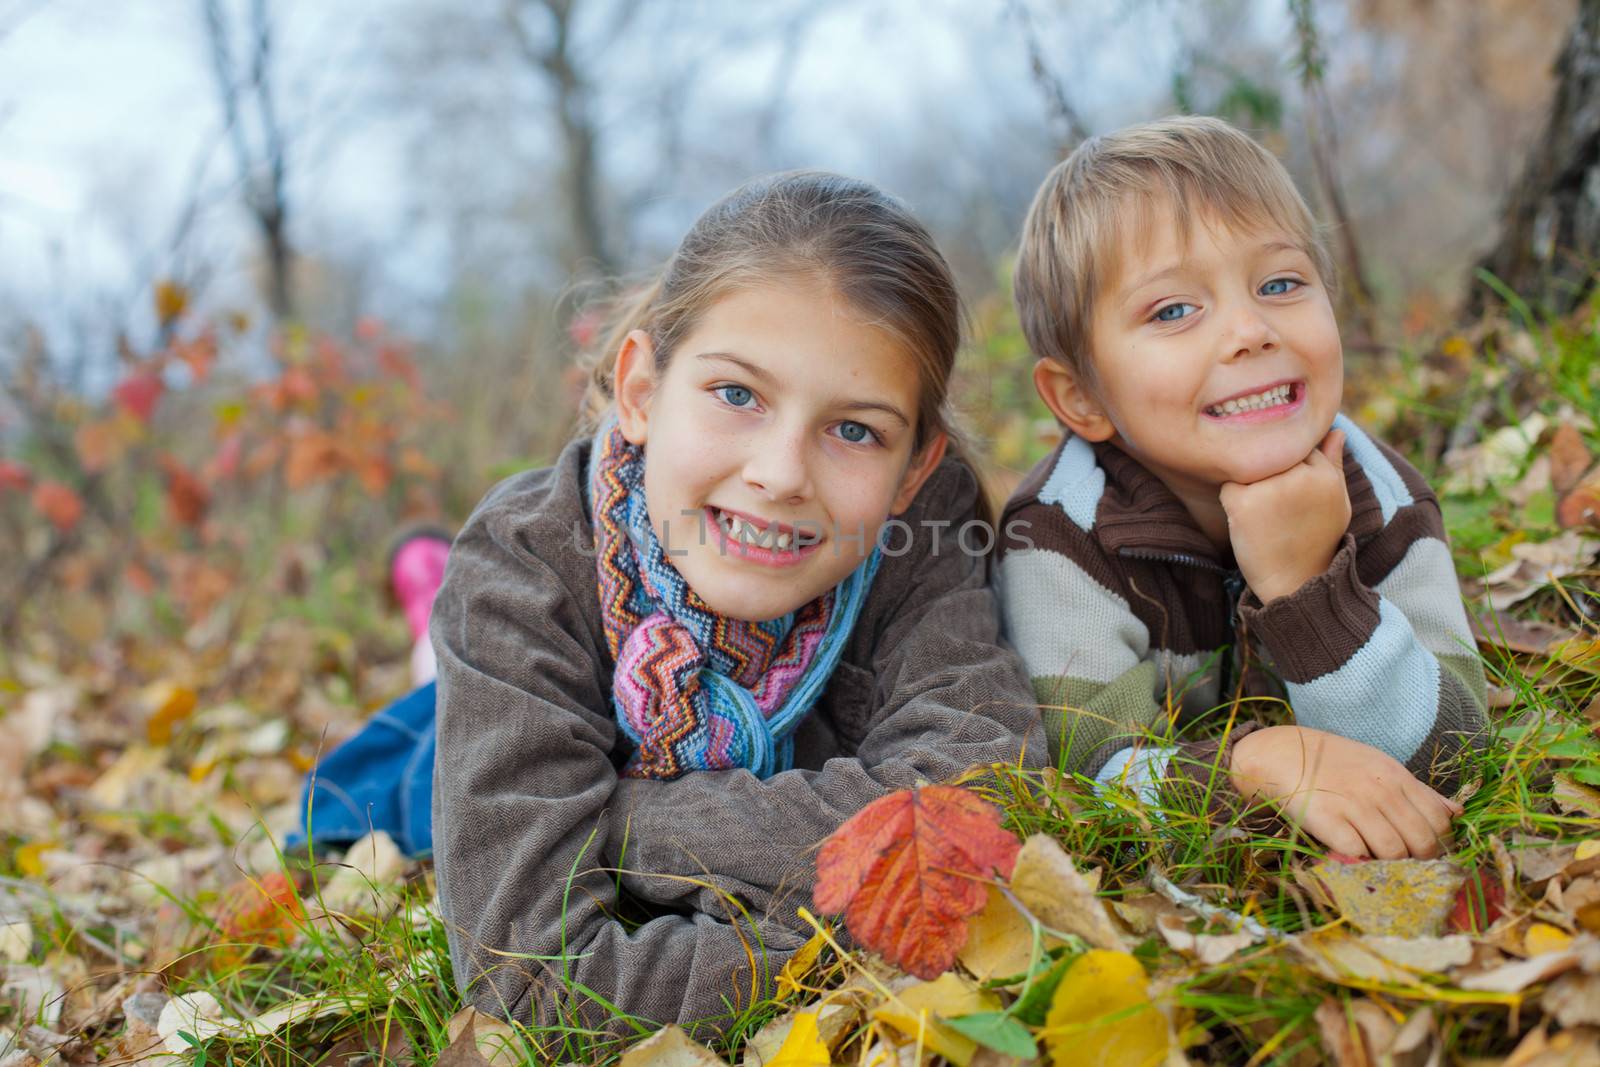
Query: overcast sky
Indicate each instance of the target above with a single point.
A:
(108, 107)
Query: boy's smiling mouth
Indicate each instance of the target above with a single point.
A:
(1264, 403)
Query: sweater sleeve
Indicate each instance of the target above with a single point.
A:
(942, 695)
(1087, 653)
(1378, 648)
(522, 785)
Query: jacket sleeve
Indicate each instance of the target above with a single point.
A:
(942, 695)
(1378, 648)
(522, 783)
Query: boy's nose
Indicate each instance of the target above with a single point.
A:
(1249, 332)
(778, 466)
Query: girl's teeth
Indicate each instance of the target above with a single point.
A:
(749, 533)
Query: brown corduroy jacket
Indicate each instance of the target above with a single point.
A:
(532, 824)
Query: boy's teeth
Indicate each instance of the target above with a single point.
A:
(1254, 402)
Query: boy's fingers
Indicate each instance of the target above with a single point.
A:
(1331, 448)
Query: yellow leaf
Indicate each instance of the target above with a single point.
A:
(1542, 938)
(804, 1046)
(169, 705)
(1587, 850)
(1101, 1015)
(171, 299)
(915, 1010)
(29, 860)
(800, 965)
(999, 941)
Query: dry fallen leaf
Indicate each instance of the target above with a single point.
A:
(371, 865)
(830, 1022)
(1050, 887)
(1428, 955)
(1209, 949)
(669, 1047)
(908, 869)
(1400, 898)
(1573, 999)
(479, 1040)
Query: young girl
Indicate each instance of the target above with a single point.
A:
(685, 653)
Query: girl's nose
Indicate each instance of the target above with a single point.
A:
(778, 467)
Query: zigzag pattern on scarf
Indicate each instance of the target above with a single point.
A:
(695, 690)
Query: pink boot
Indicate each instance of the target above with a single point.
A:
(416, 570)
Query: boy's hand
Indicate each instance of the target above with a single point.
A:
(1286, 528)
(1348, 795)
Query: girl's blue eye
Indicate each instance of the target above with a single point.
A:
(1279, 286)
(1174, 312)
(854, 432)
(737, 395)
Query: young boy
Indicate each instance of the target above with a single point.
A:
(1210, 513)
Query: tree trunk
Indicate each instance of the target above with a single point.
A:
(1549, 248)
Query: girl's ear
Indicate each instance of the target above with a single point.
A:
(1070, 402)
(633, 382)
(921, 466)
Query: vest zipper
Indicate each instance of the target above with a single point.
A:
(1232, 584)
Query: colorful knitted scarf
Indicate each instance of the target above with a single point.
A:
(695, 690)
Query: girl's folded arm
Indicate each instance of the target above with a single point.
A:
(946, 695)
(520, 813)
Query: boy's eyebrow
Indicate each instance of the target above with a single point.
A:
(1176, 268)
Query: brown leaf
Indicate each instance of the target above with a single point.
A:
(187, 496)
(909, 868)
(1573, 1000)
(1569, 457)
(669, 1047)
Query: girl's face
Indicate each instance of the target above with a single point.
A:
(778, 442)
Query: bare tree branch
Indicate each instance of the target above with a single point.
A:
(1061, 109)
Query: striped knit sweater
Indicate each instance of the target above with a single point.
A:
(1130, 623)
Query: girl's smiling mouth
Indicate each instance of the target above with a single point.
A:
(1261, 405)
(761, 540)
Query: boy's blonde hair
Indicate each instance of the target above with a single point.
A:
(1071, 241)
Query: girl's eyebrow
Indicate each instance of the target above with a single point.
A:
(759, 373)
(762, 374)
(876, 405)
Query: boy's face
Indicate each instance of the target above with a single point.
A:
(1216, 360)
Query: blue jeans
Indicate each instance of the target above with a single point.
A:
(380, 779)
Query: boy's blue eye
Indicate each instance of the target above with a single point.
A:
(854, 432)
(1174, 312)
(1279, 286)
(737, 395)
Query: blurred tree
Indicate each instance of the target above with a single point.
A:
(1549, 246)
(245, 89)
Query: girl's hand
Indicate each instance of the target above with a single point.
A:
(1349, 796)
(1286, 528)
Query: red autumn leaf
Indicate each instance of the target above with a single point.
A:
(1479, 902)
(198, 354)
(908, 869)
(59, 504)
(187, 497)
(138, 394)
(14, 475)
(1569, 458)
(265, 912)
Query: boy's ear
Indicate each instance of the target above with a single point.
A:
(922, 465)
(1070, 402)
(633, 383)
